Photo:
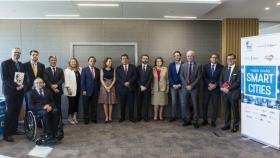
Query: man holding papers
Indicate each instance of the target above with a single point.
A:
(12, 70)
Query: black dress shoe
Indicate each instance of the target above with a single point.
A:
(234, 130)
(121, 120)
(107, 121)
(213, 124)
(195, 125)
(146, 119)
(172, 119)
(225, 128)
(86, 122)
(9, 138)
(19, 133)
(132, 120)
(94, 121)
(204, 123)
(186, 123)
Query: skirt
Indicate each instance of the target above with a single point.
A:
(160, 98)
(107, 97)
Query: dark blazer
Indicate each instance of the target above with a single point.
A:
(173, 76)
(235, 81)
(209, 78)
(8, 69)
(144, 77)
(57, 78)
(195, 75)
(89, 84)
(37, 102)
(131, 77)
(30, 75)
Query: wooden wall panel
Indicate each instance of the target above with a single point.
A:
(232, 31)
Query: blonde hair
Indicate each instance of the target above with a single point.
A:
(77, 68)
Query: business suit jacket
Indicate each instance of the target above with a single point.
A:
(57, 78)
(131, 77)
(70, 81)
(209, 78)
(8, 69)
(144, 77)
(173, 76)
(89, 84)
(235, 81)
(36, 102)
(195, 75)
(29, 78)
(162, 84)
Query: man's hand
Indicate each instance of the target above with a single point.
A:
(189, 87)
(225, 90)
(84, 93)
(126, 84)
(20, 87)
(54, 86)
(56, 91)
(143, 88)
(211, 86)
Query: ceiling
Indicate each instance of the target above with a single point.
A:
(145, 9)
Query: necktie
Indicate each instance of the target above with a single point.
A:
(125, 69)
(35, 70)
(92, 72)
(41, 92)
(17, 66)
(229, 70)
(53, 70)
(212, 69)
(144, 67)
(190, 73)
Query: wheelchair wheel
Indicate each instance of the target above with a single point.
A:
(30, 126)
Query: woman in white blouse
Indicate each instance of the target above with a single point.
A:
(72, 89)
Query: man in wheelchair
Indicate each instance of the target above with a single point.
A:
(41, 103)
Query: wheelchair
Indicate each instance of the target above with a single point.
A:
(31, 127)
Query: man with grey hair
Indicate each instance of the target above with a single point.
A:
(13, 92)
(190, 76)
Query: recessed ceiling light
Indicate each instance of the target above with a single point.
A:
(62, 15)
(266, 8)
(98, 4)
(180, 17)
(278, 3)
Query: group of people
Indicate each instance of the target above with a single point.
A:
(43, 87)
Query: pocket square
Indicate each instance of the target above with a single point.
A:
(234, 74)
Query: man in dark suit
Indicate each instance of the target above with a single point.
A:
(126, 76)
(13, 93)
(144, 88)
(176, 87)
(54, 78)
(42, 103)
(190, 76)
(230, 81)
(90, 84)
(33, 69)
(211, 76)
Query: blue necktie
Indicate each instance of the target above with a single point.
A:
(212, 69)
(17, 66)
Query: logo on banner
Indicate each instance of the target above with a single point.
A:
(260, 81)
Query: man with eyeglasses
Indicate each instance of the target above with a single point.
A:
(211, 75)
(13, 92)
(230, 86)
